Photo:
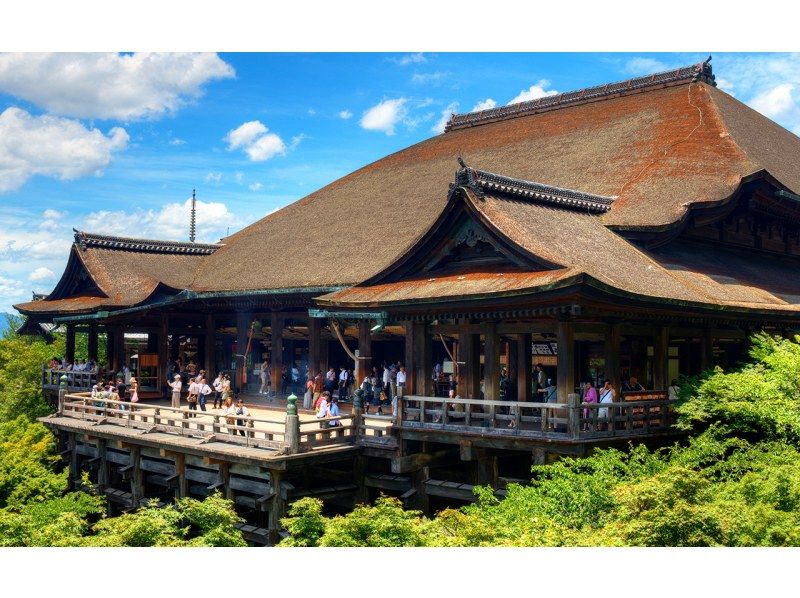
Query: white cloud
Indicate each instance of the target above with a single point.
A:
(416, 58)
(170, 222)
(428, 78)
(52, 146)
(345, 114)
(213, 177)
(256, 141)
(645, 66)
(41, 273)
(486, 104)
(255, 186)
(11, 290)
(239, 177)
(385, 115)
(534, 92)
(311, 112)
(438, 127)
(176, 141)
(109, 85)
(296, 140)
(776, 102)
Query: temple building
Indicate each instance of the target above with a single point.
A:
(636, 229)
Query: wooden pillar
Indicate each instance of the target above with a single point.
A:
(565, 337)
(278, 510)
(324, 362)
(314, 328)
(109, 348)
(92, 343)
(69, 353)
(163, 349)
(242, 324)
(364, 366)
(523, 367)
(491, 363)
(661, 358)
(180, 470)
(409, 359)
(119, 348)
(707, 350)
(210, 354)
(276, 354)
(611, 354)
(102, 472)
(486, 468)
(423, 360)
(137, 476)
(74, 463)
(469, 384)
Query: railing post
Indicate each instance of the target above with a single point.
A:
(358, 415)
(574, 402)
(399, 418)
(62, 392)
(292, 426)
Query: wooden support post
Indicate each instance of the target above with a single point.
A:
(314, 328)
(418, 479)
(276, 354)
(360, 472)
(707, 350)
(324, 352)
(661, 358)
(611, 354)
(69, 352)
(574, 414)
(74, 469)
(242, 328)
(103, 472)
(109, 348)
(423, 364)
(364, 365)
(491, 363)
(278, 510)
(119, 349)
(539, 455)
(210, 354)
(180, 469)
(224, 473)
(469, 386)
(523, 367)
(163, 349)
(486, 471)
(91, 343)
(137, 476)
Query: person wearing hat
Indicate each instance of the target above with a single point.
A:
(176, 386)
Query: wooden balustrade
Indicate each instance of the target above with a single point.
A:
(321, 432)
(549, 420)
(80, 380)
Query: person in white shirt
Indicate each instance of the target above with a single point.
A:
(203, 391)
(241, 411)
(342, 384)
(265, 381)
(401, 387)
(217, 384)
(193, 396)
(176, 386)
(387, 377)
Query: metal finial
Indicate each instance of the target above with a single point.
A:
(462, 163)
(193, 218)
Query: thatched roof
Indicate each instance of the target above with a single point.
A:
(644, 152)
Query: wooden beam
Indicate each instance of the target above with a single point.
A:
(242, 328)
(661, 358)
(119, 348)
(209, 344)
(707, 349)
(314, 339)
(611, 354)
(423, 356)
(163, 348)
(91, 343)
(364, 366)
(418, 460)
(276, 353)
(469, 383)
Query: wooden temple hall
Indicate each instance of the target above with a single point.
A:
(641, 229)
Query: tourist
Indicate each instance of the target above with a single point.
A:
(672, 391)
(192, 396)
(203, 391)
(265, 378)
(176, 386)
(308, 397)
(607, 395)
(333, 411)
(217, 384)
(589, 396)
(226, 388)
(322, 407)
(295, 378)
(241, 412)
(126, 372)
(284, 380)
(317, 389)
(330, 380)
(377, 393)
(120, 389)
(401, 389)
(366, 393)
(343, 383)
(632, 385)
(191, 368)
(229, 411)
(133, 389)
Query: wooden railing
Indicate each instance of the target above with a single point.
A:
(573, 420)
(80, 380)
(326, 431)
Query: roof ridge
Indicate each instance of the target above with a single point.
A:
(85, 240)
(696, 72)
(481, 181)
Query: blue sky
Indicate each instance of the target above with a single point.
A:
(115, 143)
